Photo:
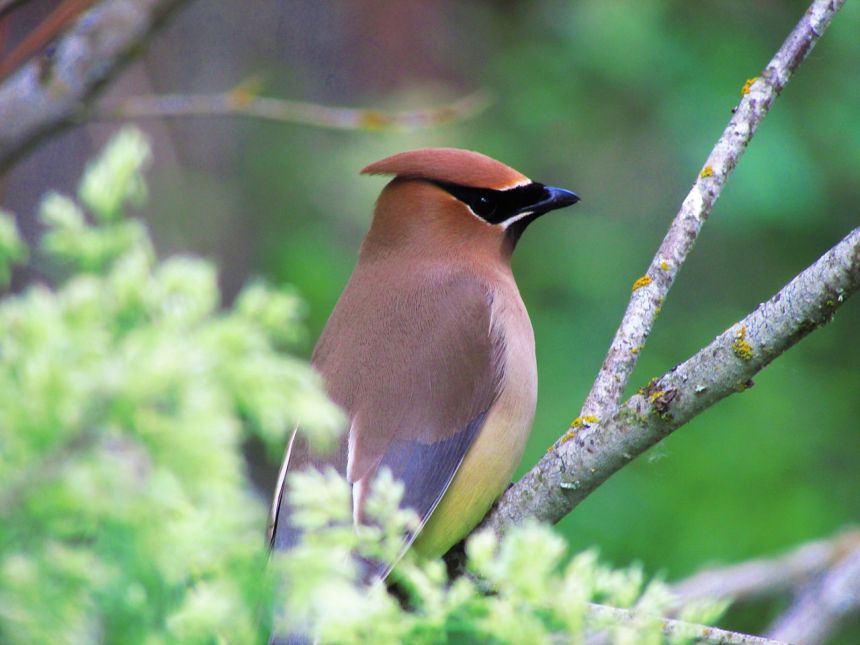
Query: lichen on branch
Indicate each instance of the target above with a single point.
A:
(568, 473)
(580, 461)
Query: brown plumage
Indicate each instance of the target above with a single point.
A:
(430, 350)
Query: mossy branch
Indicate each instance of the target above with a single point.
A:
(572, 469)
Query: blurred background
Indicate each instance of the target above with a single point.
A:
(619, 101)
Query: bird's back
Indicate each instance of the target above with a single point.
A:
(417, 372)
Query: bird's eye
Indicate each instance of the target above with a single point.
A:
(483, 205)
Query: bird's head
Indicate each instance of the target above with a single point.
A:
(460, 195)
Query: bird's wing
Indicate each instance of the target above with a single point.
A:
(417, 373)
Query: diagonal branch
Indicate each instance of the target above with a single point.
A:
(768, 576)
(823, 605)
(651, 289)
(63, 15)
(587, 457)
(48, 93)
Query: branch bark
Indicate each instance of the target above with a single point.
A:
(605, 437)
(63, 15)
(649, 291)
(820, 608)
(48, 93)
(768, 576)
(676, 630)
(576, 466)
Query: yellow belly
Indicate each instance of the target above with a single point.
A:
(491, 460)
(483, 476)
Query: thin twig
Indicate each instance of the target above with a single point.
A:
(651, 289)
(677, 629)
(572, 469)
(241, 102)
(768, 576)
(47, 93)
(821, 607)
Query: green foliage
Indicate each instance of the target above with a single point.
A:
(518, 590)
(126, 514)
(125, 394)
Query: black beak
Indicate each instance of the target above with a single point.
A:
(553, 199)
(538, 199)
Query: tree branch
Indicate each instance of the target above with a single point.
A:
(244, 101)
(63, 14)
(48, 93)
(586, 458)
(604, 438)
(768, 576)
(822, 605)
(676, 630)
(651, 289)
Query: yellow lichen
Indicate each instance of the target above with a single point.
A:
(567, 436)
(707, 171)
(586, 420)
(656, 395)
(641, 282)
(575, 425)
(647, 387)
(664, 266)
(245, 92)
(742, 349)
(373, 120)
(746, 88)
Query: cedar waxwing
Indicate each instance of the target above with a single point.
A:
(430, 350)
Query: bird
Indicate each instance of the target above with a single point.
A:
(429, 350)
